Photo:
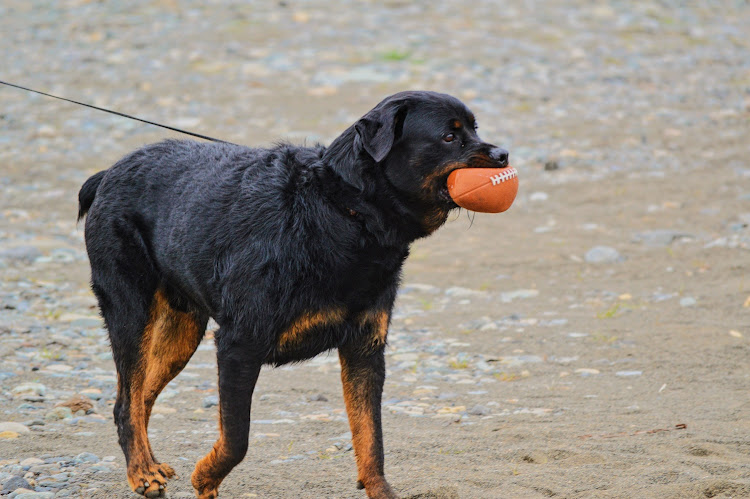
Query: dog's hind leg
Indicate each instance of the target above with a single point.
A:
(171, 337)
(239, 360)
(150, 342)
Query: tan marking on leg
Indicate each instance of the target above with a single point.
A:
(378, 321)
(169, 340)
(360, 423)
(294, 335)
(207, 486)
(358, 386)
(174, 336)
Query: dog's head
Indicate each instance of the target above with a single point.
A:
(414, 140)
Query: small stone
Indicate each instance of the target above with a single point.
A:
(551, 166)
(444, 492)
(210, 401)
(77, 403)
(60, 368)
(479, 410)
(16, 427)
(585, 371)
(602, 254)
(59, 413)
(660, 237)
(86, 457)
(628, 373)
(15, 483)
(92, 393)
(509, 296)
(459, 292)
(7, 435)
(688, 301)
(301, 16)
(539, 196)
(46, 131)
(452, 410)
(577, 335)
(32, 389)
(319, 397)
(36, 495)
(32, 461)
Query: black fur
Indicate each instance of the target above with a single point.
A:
(256, 238)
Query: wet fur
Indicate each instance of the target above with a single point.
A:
(293, 251)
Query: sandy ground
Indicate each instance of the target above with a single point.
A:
(520, 365)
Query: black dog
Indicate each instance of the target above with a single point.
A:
(293, 251)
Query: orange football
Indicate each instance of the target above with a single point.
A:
(488, 190)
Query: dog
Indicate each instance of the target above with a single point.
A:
(293, 251)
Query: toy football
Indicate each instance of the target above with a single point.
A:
(487, 190)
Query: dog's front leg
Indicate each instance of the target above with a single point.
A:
(363, 375)
(239, 366)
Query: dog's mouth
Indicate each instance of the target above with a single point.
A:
(444, 195)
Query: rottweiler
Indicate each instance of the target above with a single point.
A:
(293, 251)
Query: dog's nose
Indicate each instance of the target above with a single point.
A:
(500, 155)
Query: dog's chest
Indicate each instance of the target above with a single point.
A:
(373, 276)
(353, 304)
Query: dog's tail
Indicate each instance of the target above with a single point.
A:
(88, 192)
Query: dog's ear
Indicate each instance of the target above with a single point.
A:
(378, 129)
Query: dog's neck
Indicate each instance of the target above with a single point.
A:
(359, 185)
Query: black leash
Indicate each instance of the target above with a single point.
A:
(115, 112)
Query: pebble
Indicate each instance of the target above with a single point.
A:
(35, 495)
(661, 237)
(86, 457)
(29, 389)
(14, 427)
(77, 403)
(31, 462)
(688, 301)
(628, 373)
(459, 292)
(603, 254)
(586, 371)
(479, 410)
(15, 483)
(210, 401)
(58, 413)
(509, 296)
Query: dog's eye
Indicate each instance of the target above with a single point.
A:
(449, 137)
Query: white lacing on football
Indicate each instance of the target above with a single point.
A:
(507, 174)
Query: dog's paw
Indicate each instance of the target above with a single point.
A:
(209, 494)
(150, 481)
(378, 488)
(205, 486)
(166, 470)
